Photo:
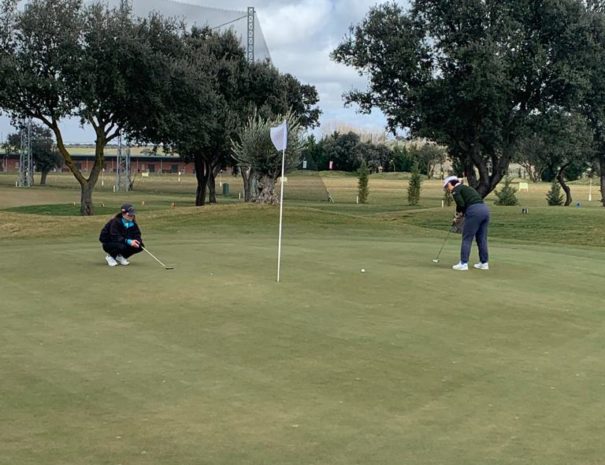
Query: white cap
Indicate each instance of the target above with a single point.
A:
(449, 179)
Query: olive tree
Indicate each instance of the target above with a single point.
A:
(255, 153)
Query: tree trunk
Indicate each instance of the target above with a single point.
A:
(201, 174)
(565, 187)
(87, 185)
(86, 206)
(43, 176)
(267, 192)
(474, 160)
(211, 187)
(469, 172)
(487, 182)
(250, 184)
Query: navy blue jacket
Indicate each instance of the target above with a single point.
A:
(115, 231)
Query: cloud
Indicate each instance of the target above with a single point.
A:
(300, 35)
(294, 25)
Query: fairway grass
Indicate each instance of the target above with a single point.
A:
(215, 363)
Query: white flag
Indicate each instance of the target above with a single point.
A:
(279, 136)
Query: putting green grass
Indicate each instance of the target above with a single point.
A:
(215, 363)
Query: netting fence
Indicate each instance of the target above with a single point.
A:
(196, 15)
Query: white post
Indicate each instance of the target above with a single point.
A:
(590, 189)
(281, 212)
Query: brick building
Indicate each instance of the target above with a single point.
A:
(139, 163)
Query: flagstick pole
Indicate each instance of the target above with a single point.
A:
(281, 212)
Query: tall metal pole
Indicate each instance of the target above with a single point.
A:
(26, 158)
(122, 167)
(250, 37)
(30, 160)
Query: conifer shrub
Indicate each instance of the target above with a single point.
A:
(554, 197)
(362, 190)
(507, 196)
(414, 186)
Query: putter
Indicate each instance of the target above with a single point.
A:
(157, 260)
(436, 259)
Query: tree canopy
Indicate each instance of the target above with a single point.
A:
(468, 74)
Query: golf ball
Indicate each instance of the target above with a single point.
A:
(363, 270)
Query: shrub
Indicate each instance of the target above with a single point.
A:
(363, 190)
(554, 197)
(507, 195)
(414, 186)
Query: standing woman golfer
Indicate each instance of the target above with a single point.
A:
(470, 205)
(121, 237)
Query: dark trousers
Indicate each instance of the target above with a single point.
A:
(119, 248)
(476, 220)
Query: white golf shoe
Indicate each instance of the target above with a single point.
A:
(481, 266)
(122, 261)
(111, 261)
(460, 266)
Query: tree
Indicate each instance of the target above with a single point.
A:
(401, 161)
(554, 196)
(267, 94)
(376, 156)
(46, 157)
(59, 59)
(343, 151)
(530, 154)
(211, 113)
(414, 186)
(593, 103)
(362, 185)
(270, 93)
(560, 143)
(312, 153)
(468, 74)
(506, 196)
(210, 101)
(255, 153)
(428, 156)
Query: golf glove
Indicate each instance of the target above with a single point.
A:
(457, 223)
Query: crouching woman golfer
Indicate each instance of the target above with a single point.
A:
(469, 203)
(121, 237)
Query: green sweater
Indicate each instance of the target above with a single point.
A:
(465, 196)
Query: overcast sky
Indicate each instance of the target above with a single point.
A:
(300, 35)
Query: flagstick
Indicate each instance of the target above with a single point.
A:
(281, 212)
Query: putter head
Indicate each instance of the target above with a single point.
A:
(169, 267)
(435, 260)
